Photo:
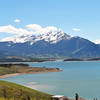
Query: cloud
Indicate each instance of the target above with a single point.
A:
(97, 41)
(40, 30)
(34, 27)
(17, 21)
(12, 30)
(29, 30)
(50, 28)
(76, 29)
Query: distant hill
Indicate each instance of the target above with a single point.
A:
(24, 59)
(52, 44)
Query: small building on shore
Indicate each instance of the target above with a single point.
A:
(59, 97)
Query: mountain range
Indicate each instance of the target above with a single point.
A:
(51, 44)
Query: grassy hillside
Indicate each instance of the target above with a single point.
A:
(12, 91)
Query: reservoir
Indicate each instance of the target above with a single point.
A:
(81, 77)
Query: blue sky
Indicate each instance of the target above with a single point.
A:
(82, 15)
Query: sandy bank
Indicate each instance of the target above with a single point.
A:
(16, 74)
(10, 75)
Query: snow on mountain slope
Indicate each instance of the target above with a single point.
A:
(52, 37)
(19, 38)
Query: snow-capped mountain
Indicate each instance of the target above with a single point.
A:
(50, 44)
(51, 37)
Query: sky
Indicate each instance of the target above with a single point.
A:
(75, 17)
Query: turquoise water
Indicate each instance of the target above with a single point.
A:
(80, 77)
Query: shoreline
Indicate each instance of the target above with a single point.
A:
(10, 75)
(17, 74)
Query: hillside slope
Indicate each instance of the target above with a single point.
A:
(13, 91)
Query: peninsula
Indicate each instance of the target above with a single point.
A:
(11, 69)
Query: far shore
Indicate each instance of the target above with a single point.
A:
(82, 59)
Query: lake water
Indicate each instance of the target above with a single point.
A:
(77, 77)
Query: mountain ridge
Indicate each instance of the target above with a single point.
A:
(51, 44)
(52, 37)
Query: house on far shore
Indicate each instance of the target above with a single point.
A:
(59, 97)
